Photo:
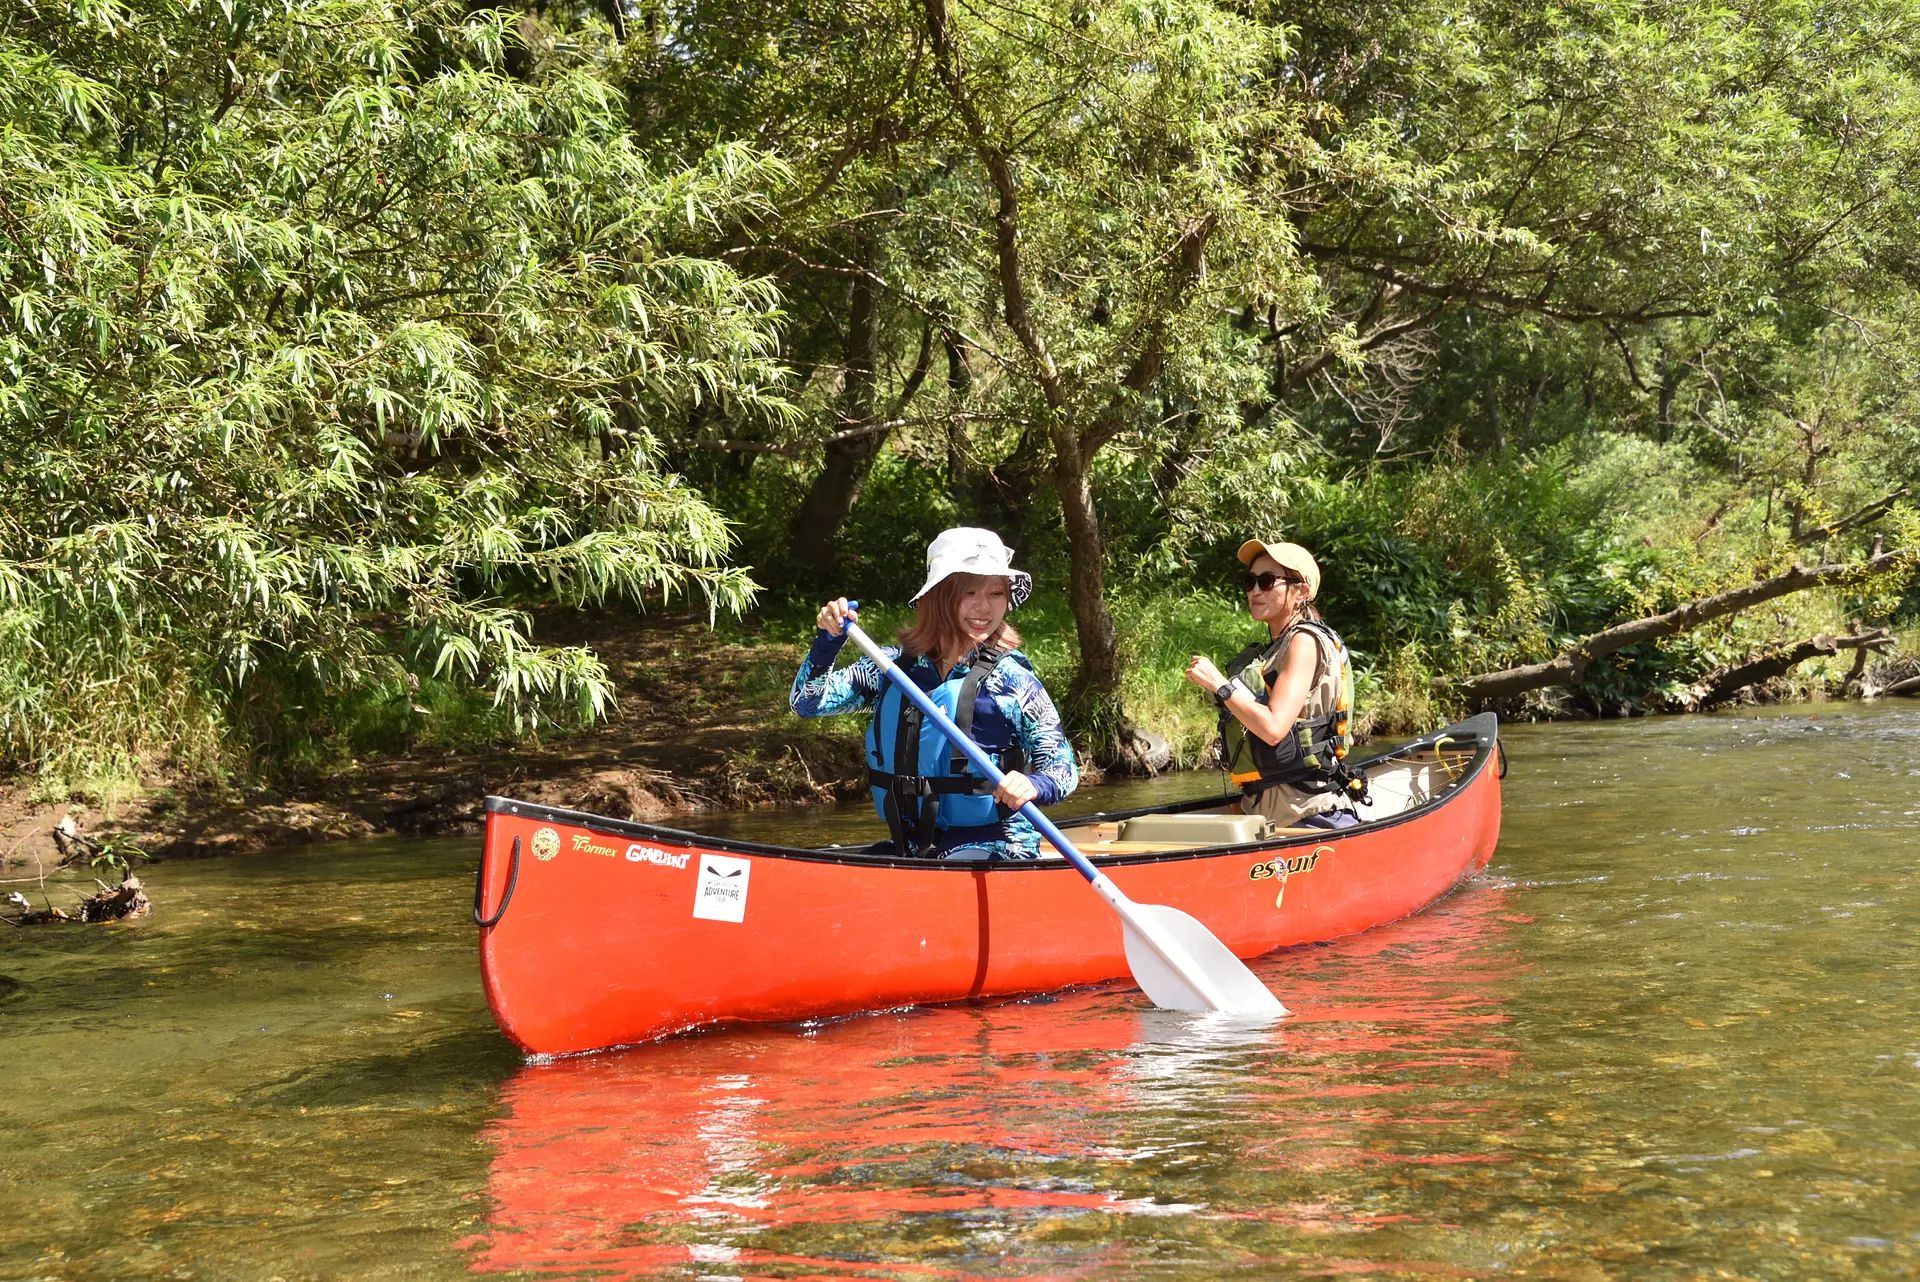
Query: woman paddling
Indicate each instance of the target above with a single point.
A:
(1285, 701)
(964, 654)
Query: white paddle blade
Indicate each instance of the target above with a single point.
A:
(1240, 988)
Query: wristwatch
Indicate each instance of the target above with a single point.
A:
(1224, 693)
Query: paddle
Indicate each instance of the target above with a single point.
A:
(1176, 961)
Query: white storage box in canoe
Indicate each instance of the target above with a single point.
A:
(1196, 830)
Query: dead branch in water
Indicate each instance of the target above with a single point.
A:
(1724, 684)
(116, 903)
(1569, 667)
(111, 903)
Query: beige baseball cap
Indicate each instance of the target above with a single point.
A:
(1290, 555)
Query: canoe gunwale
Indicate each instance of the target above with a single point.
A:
(1483, 729)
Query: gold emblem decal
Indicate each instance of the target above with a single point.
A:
(546, 844)
(1286, 867)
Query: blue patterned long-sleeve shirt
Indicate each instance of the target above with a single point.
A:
(1013, 708)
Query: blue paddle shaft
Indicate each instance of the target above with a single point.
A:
(1167, 967)
(981, 761)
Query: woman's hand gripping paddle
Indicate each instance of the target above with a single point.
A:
(1176, 961)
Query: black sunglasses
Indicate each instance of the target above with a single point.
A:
(1266, 581)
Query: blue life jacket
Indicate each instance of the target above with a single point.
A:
(934, 789)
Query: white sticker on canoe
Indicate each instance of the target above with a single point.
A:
(639, 854)
(721, 893)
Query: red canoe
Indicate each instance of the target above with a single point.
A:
(598, 932)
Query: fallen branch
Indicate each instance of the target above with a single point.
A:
(1894, 675)
(1569, 668)
(1822, 533)
(116, 903)
(1724, 684)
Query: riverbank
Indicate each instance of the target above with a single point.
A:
(699, 725)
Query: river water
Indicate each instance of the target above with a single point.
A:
(1671, 1033)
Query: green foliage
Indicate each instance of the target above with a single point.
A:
(1162, 632)
(1527, 320)
(327, 340)
(335, 334)
(117, 856)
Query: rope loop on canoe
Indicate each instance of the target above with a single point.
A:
(480, 890)
(1501, 750)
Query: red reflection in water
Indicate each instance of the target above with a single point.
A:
(625, 1165)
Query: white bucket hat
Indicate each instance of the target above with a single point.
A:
(969, 551)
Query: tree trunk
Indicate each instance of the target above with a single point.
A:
(1671, 377)
(1725, 684)
(813, 536)
(1569, 668)
(1093, 702)
(617, 15)
(961, 478)
(1535, 391)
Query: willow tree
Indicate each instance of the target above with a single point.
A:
(333, 330)
(838, 90)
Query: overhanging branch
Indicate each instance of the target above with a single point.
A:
(1570, 666)
(1523, 304)
(1726, 683)
(1820, 534)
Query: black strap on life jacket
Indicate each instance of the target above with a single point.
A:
(1285, 762)
(912, 809)
(1261, 650)
(1013, 756)
(1350, 781)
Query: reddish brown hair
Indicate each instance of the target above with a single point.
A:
(936, 630)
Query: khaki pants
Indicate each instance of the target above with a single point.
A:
(1286, 805)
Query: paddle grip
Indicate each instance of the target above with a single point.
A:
(981, 761)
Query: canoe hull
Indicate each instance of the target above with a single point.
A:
(616, 933)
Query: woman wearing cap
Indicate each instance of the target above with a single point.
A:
(1285, 701)
(964, 654)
